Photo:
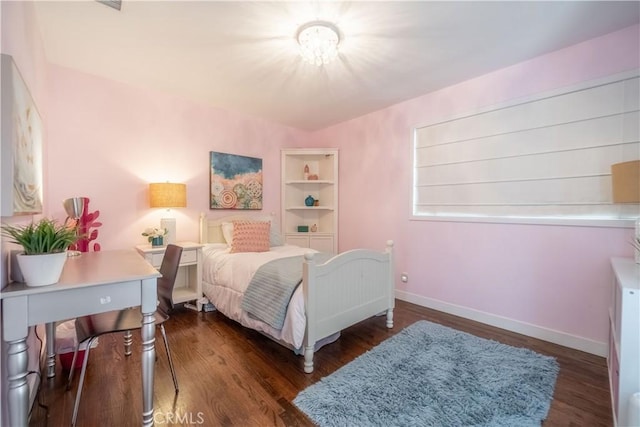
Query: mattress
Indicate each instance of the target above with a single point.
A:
(225, 277)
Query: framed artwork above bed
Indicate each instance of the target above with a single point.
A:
(236, 181)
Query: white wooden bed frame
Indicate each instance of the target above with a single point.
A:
(349, 288)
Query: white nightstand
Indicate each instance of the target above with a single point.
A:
(188, 285)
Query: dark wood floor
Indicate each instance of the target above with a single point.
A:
(231, 376)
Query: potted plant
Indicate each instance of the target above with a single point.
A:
(45, 244)
(155, 236)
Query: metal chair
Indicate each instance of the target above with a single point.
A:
(89, 328)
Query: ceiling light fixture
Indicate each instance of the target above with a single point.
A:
(318, 42)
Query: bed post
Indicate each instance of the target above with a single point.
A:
(203, 228)
(392, 287)
(309, 291)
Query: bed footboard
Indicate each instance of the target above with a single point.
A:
(347, 289)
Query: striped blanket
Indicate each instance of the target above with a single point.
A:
(272, 286)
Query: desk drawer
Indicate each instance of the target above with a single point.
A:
(189, 256)
(71, 303)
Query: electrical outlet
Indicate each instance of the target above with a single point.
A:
(404, 277)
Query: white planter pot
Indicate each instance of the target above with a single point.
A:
(41, 270)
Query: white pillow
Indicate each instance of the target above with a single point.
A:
(227, 232)
(275, 238)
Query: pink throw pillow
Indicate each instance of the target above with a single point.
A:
(250, 236)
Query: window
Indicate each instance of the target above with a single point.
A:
(544, 158)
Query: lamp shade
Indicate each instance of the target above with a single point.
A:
(625, 180)
(167, 195)
(74, 206)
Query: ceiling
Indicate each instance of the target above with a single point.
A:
(242, 56)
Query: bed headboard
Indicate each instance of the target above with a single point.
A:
(211, 228)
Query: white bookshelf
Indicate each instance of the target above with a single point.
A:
(322, 163)
(624, 341)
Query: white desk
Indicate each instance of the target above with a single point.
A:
(94, 282)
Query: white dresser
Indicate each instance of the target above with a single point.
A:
(624, 340)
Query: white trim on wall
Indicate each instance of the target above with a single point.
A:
(578, 222)
(550, 335)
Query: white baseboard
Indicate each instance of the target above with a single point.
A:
(556, 337)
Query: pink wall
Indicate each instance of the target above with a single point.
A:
(111, 140)
(21, 39)
(553, 277)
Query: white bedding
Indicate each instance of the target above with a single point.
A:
(225, 277)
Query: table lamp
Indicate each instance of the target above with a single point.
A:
(168, 195)
(625, 181)
(74, 207)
